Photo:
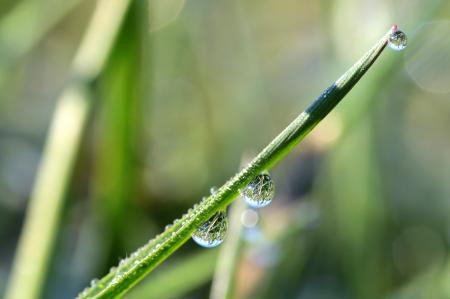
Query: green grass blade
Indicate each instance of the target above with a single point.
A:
(119, 121)
(46, 203)
(148, 257)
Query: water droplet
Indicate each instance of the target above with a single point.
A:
(397, 39)
(212, 232)
(213, 190)
(83, 293)
(259, 192)
(94, 282)
(122, 262)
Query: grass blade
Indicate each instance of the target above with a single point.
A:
(148, 257)
(119, 127)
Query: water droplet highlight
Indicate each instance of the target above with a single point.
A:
(212, 232)
(397, 40)
(259, 192)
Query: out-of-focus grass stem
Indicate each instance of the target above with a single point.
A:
(229, 256)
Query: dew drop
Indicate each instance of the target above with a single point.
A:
(213, 190)
(94, 282)
(122, 262)
(83, 293)
(259, 192)
(397, 39)
(212, 232)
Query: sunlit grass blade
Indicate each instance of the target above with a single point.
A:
(146, 258)
(46, 203)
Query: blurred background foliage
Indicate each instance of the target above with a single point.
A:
(362, 206)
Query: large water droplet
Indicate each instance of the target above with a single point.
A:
(212, 232)
(397, 39)
(260, 192)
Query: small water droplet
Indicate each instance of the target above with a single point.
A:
(212, 232)
(83, 293)
(213, 190)
(122, 262)
(397, 39)
(259, 192)
(94, 282)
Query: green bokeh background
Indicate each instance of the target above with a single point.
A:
(362, 208)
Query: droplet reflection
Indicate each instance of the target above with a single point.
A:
(212, 232)
(259, 192)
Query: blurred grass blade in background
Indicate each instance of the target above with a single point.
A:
(35, 246)
(148, 257)
(224, 280)
(119, 118)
